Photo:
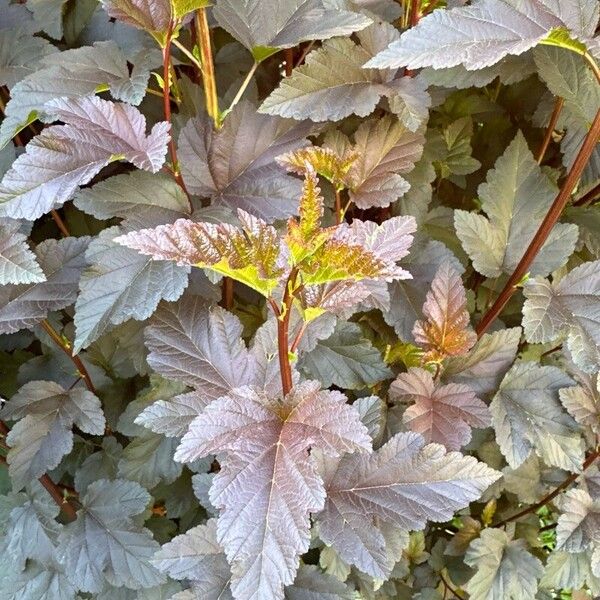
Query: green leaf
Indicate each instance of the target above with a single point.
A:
(345, 359)
(505, 570)
(516, 198)
(183, 7)
(528, 416)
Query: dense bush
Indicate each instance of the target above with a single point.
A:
(299, 299)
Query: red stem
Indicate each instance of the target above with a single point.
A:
(288, 54)
(66, 348)
(414, 12)
(283, 326)
(558, 106)
(166, 54)
(545, 228)
(589, 461)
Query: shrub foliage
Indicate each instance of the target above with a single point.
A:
(299, 300)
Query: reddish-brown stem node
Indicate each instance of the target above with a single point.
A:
(558, 106)
(288, 54)
(227, 293)
(589, 461)
(545, 228)
(415, 14)
(283, 326)
(67, 349)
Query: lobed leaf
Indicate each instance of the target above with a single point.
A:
(480, 35)
(446, 330)
(516, 198)
(105, 544)
(504, 568)
(402, 485)
(570, 306)
(442, 414)
(265, 527)
(527, 416)
(42, 436)
(17, 262)
(63, 157)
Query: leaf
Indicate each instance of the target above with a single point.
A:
(332, 82)
(235, 165)
(570, 306)
(24, 306)
(153, 16)
(483, 368)
(446, 330)
(17, 261)
(583, 401)
(324, 161)
(120, 284)
(264, 528)
(516, 198)
(569, 570)
(104, 543)
(200, 346)
(386, 149)
(407, 296)
(47, 14)
(442, 414)
(20, 54)
(32, 529)
(148, 459)
(345, 359)
(527, 416)
(197, 556)
(37, 583)
(579, 524)
(480, 35)
(262, 30)
(505, 570)
(252, 254)
(131, 194)
(63, 157)
(568, 76)
(43, 435)
(74, 73)
(411, 101)
(312, 584)
(402, 485)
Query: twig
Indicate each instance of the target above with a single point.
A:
(166, 55)
(207, 67)
(305, 52)
(60, 223)
(243, 87)
(558, 106)
(545, 228)
(450, 588)
(589, 461)
(589, 197)
(66, 347)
